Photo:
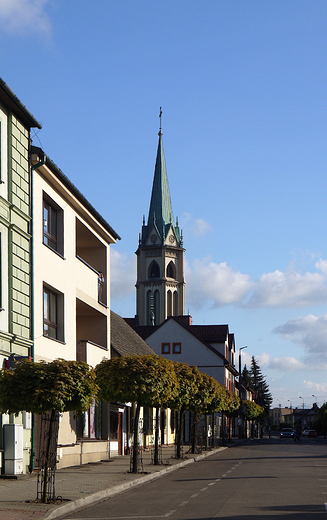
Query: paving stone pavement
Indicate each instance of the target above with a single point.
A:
(79, 486)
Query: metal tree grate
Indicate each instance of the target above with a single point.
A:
(47, 457)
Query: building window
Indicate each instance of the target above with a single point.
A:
(53, 225)
(53, 313)
(154, 270)
(88, 424)
(177, 348)
(169, 303)
(171, 271)
(165, 348)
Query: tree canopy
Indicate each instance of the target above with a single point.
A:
(149, 380)
(41, 387)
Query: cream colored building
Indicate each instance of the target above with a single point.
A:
(71, 252)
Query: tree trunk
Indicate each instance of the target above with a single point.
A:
(195, 421)
(47, 458)
(156, 437)
(206, 432)
(179, 434)
(136, 438)
(222, 430)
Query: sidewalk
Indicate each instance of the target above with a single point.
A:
(80, 486)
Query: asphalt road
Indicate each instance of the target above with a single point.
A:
(266, 479)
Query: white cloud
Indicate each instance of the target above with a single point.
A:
(309, 332)
(197, 227)
(17, 16)
(322, 265)
(200, 227)
(318, 388)
(122, 275)
(286, 364)
(214, 284)
(289, 289)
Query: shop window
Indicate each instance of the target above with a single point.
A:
(89, 423)
(113, 426)
(147, 420)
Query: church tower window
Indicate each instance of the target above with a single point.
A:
(169, 304)
(176, 303)
(171, 271)
(154, 270)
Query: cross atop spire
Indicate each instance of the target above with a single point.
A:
(160, 131)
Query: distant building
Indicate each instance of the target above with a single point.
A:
(281, 416)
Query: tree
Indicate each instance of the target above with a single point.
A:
(258, 383)
(200, 403)
(180, 401)
(246, 377)
(147, 380)
(322, 416)
(251, 410)
(41, 387)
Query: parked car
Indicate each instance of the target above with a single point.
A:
(287, 433)
(309, 433)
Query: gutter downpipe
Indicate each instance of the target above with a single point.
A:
(34, 167)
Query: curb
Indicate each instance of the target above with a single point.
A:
(116, 490)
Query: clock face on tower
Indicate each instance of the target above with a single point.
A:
(172, 239)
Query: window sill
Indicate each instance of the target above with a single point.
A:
(54, 251)
(55, 339)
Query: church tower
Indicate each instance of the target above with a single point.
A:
(160, 286)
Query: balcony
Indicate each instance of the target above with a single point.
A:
(93, 254)
(91, 333)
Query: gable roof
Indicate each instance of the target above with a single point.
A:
(10, 100)
(75, 191)
(125, 340)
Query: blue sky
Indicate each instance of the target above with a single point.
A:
(242, 85)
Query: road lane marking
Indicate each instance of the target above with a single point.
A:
(183, 503)
(218, 479)
(170, 513)
(211, 484)
(224, 475)
(195, 495)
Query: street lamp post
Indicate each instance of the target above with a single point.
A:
(302, 402)
(315, 398)
(240, 365)
(290, 403)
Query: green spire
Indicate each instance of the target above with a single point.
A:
(160, 212)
